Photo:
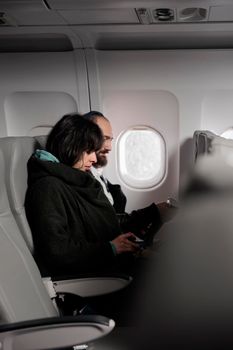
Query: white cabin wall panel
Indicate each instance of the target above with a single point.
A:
(42, 72)
(183, 73)
(3, 129)
(94, 80)
(217, 111)
(83, 98)
(103, 16)
(34, 113)
(190, 117)
(189, 75)
(159, 110)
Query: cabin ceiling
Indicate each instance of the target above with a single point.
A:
(61, 25)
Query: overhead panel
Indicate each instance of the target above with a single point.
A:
(35, 43)
(108, 4)
(22, 5)
(102, 4)
(37, 18)
(116, 24)
(28, 13)
(96, 16)
(221, 13)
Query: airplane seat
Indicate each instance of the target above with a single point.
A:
(222, 146)
(19, 274)
(213, 152)
(41, 140)
(15, 153)
(207, 142)
(214, 170)
(202, 142)
(28, 317)
(22, 294)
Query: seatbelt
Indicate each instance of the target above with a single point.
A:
(48, 283)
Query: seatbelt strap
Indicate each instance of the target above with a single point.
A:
(48, 283)
(50, 287)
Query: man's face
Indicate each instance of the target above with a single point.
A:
(106, 128)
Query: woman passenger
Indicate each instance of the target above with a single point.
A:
(74, 227)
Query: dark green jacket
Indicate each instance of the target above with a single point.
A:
(72, 221)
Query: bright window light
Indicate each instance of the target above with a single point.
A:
(141, 157)
(228, 134)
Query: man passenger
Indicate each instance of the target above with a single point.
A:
(143, 222)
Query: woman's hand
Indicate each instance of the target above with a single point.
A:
(125, 243)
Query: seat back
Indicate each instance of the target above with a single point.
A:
(202, 142)
(185, 296)
(22, 293)
(16, 151)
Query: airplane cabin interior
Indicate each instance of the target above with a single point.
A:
(161, 72)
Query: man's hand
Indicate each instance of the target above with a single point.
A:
(125, 243)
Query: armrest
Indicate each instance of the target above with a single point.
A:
(92, 286)
(54, 333)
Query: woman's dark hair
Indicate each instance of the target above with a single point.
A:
(71, 136)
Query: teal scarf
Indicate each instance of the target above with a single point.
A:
(44, 155)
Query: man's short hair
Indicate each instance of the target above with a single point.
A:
(93, 115)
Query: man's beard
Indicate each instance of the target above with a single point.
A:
(101, 160)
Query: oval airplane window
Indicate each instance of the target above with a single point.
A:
(141, 157)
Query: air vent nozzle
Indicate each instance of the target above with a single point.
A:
(2, 19)
(164, 14)
(6, 20)
(193, 14)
